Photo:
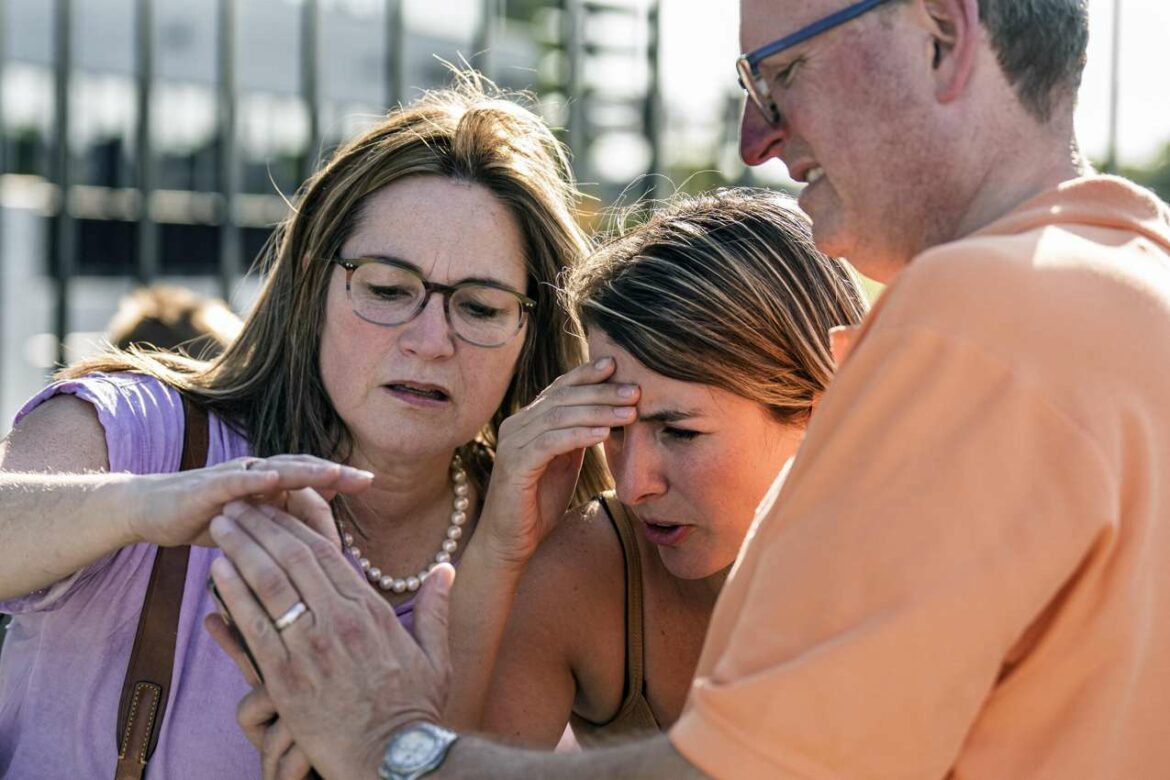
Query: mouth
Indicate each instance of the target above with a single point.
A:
(419, 392)
(807, 174)
(666, 534)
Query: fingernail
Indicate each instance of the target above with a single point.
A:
(624, 412)
(222, 568)
(604, 363)
(628, 391)
(220, 526)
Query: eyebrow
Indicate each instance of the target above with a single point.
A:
(668, 416)
(488, 280)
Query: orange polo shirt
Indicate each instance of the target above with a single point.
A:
(967, 571)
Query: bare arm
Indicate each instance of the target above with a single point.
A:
(563, 642)
(61, 509)
(650, 759)
(537, 462)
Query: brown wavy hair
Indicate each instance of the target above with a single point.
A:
(268, 382)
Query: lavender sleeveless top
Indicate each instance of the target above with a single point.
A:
(65, 657)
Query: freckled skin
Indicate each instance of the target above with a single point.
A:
(713, 481)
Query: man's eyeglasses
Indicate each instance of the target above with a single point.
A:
(748, 65)
(386, 292)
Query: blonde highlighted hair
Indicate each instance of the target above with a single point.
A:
(723, 289)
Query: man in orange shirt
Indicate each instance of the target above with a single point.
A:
(967, 571)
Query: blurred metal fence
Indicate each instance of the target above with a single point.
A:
(205, 215)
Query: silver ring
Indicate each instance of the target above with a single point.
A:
(290, 616)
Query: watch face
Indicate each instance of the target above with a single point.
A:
(412, 749)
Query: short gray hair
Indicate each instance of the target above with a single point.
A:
(1040, 45)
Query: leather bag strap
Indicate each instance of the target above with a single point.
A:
(152, 661)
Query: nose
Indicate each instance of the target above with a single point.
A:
(429, 334)
(636, 466)
(759, 140)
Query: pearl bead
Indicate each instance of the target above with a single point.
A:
(461, 504)
(348, 539)
(412, 583)
(386, 583)
(422, 575)
(443, 557)
(462, 489)
(450, 545)
(374, 574)
(355, 552)
(364, 563)
(454, 532)
(458, 518)
(460, 477)
(399, 586)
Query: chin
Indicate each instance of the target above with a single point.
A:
(686, 566)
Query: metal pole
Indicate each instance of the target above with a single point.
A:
(654, 106)
(310, 85)
(229, 234)
(486, 36)
(1111, 160)
(147, 243)
(65, 248)
(573, 34)
(395, 52)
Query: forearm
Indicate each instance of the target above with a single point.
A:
(481, 601)
(52, 525)
(650, 759)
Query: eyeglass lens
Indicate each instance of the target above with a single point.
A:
(388, 295)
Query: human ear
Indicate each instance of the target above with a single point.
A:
(953, 26)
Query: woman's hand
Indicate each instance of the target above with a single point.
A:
(539, 455)
(175, 509)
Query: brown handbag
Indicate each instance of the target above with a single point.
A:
(152, 661)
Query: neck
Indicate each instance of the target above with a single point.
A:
(709, 588)
(404, 490)
(1021, 178)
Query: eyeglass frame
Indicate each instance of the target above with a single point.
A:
(747, 65)
(351, 265)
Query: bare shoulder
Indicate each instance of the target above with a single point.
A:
(577, 577)
(63, 434)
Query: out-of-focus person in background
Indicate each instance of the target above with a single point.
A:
(169, 317)
(719, 309)
(407, 309)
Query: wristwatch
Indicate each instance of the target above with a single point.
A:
(415, 751)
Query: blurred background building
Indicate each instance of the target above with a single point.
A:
(159, 139)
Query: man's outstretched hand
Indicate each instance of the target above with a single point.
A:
(345, 674)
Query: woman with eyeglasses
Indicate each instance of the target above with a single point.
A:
(407, 309)
(717, 313)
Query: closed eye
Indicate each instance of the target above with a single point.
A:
(785, 75)
(681, 434)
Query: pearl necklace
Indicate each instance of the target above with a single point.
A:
(450, 544)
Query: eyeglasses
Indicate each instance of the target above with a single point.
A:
(386, 292)
(748, 65)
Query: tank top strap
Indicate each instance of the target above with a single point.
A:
(635, 656)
